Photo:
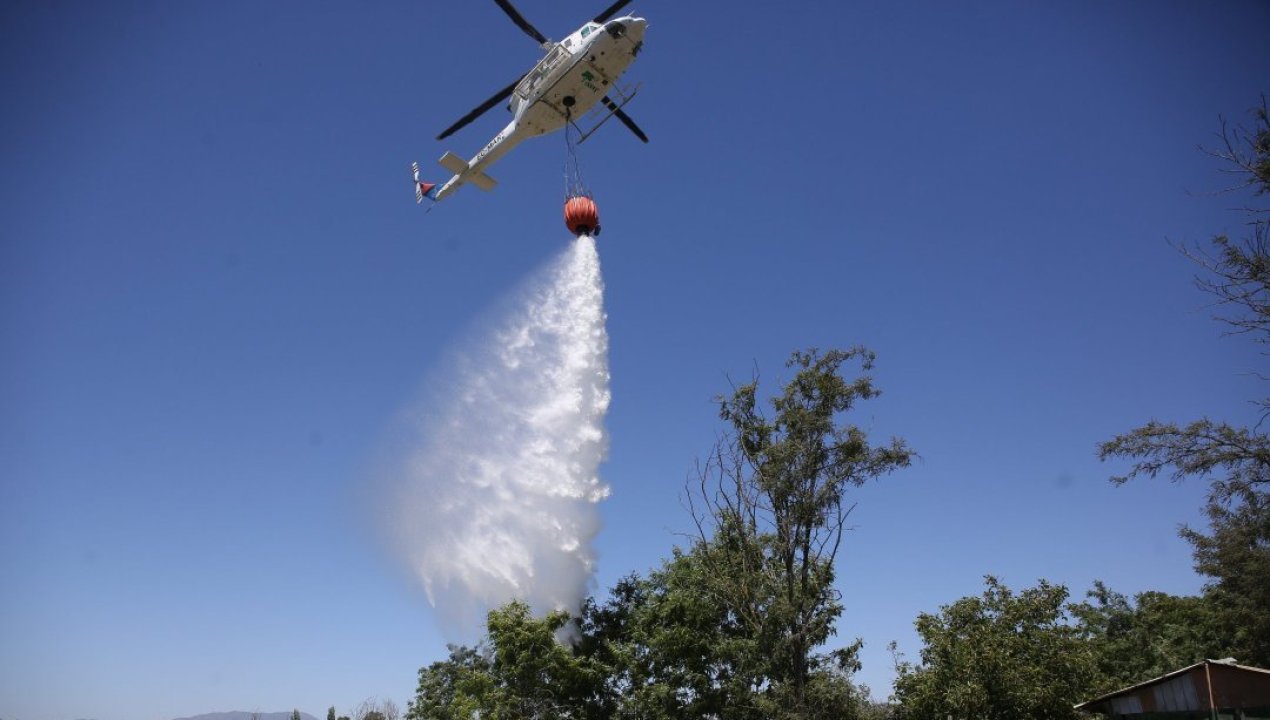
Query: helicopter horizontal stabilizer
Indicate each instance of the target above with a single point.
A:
(460, 168)
(483, 181)
(453, 163)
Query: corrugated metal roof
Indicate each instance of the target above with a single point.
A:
(1175, 692)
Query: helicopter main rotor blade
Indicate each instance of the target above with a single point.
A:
(611, 11)
(626, 119)
(496, 99)
(521, 22)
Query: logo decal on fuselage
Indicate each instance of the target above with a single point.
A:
(485, 151)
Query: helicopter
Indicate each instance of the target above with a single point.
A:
(573, 75)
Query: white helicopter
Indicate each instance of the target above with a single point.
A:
(575, 74)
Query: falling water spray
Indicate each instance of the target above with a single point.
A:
(497, 496)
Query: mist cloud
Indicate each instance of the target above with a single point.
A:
(495, 495)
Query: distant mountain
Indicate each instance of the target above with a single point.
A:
(240, 715)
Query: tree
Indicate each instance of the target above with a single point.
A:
(1235, 553)
(454, 688)
(673, 648)
(295, 714)
(998, 656)
(536, 675)
(372, 709)
(1148, 637)
(773, 506)
(1236, 556)
(870, 710)
(330, 713)
(521, 672)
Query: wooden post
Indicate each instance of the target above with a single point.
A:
(1208, 680)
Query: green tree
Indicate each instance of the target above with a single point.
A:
(1154, 634)
(870, 710)
(674, 649)
(733, 625)
(454, 688)
(1235, 552)
(330, 713)
(522, 672)
(373, 709)
(538, 676)
(1236, 558)
(998, 656)
(295, 714)
(771, 507)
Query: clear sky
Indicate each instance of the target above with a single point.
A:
(216, 291)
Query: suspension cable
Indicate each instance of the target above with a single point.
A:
(574, 186)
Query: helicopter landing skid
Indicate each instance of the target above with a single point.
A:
(621, 96)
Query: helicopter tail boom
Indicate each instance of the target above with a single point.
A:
(462, 174)
(460, 168)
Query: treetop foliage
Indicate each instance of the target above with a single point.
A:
(1235, 553)
(999, 655)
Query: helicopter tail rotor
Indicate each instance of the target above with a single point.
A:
(423, 188)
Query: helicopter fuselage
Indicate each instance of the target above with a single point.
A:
(574, 75)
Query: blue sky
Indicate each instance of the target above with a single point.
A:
(216, 292)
